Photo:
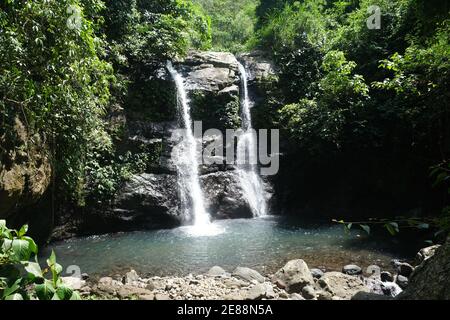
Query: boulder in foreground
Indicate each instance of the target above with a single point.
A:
(342, 285)
(294, 276)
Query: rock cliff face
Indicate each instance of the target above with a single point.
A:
(150, 199)
(25, 175)
(212, 79)
(430, 279)
(149, 121)
(261, 68)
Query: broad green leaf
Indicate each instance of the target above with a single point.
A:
(395, 226)
(45, 290)
(56, 270)
(75, 296)
(15, 296)
(13, 288)
(390, 229)
(32, 245)
(6, 233)
(366, 228)
(52, 259)
(55, 297)
(2, 224)
(20, 248)
(34, 269)
(23, 230)
(64, 292)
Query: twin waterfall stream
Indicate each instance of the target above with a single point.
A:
(187, 164)
(249, 179)
(185, 159)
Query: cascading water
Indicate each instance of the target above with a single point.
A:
(184, 156)
(250, 181)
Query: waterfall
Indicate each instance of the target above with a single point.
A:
(184, 156)
(250, 181)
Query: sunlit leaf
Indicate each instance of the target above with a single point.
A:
(45, 290)
(366, 228)
(15, 296)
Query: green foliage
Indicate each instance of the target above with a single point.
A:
(343, 89)
(142, 36)
(311, 40)
(54, 79)
(284, 26)
(299, 68)
(419, 82)
(148, 32)
(353, 96)
(321, 122)
(63, 82)
(21, 278)
(232, 23)
(224, 116)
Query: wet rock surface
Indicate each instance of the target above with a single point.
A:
(430, 280)
(317, 273)
(151, 199)
(213, 84)
(148, 193)
(259, 65)
(248, 274)
(224, 196)
(352, 269)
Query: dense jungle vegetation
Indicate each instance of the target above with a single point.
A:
(361, 97)
(364, 112)
(366, 108)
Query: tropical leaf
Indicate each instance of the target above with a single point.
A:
(12, 289)
(31, 244)
(20, 248)
(34, 269)
(52, 259)
(55, 297)
(392, 228)
(64, 292)
(22, 231)
(366, 228)
(75, 296)
(14, 296)
(45, 290)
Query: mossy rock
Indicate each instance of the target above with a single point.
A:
(219, 111)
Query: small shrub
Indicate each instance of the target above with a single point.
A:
(21, 276)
